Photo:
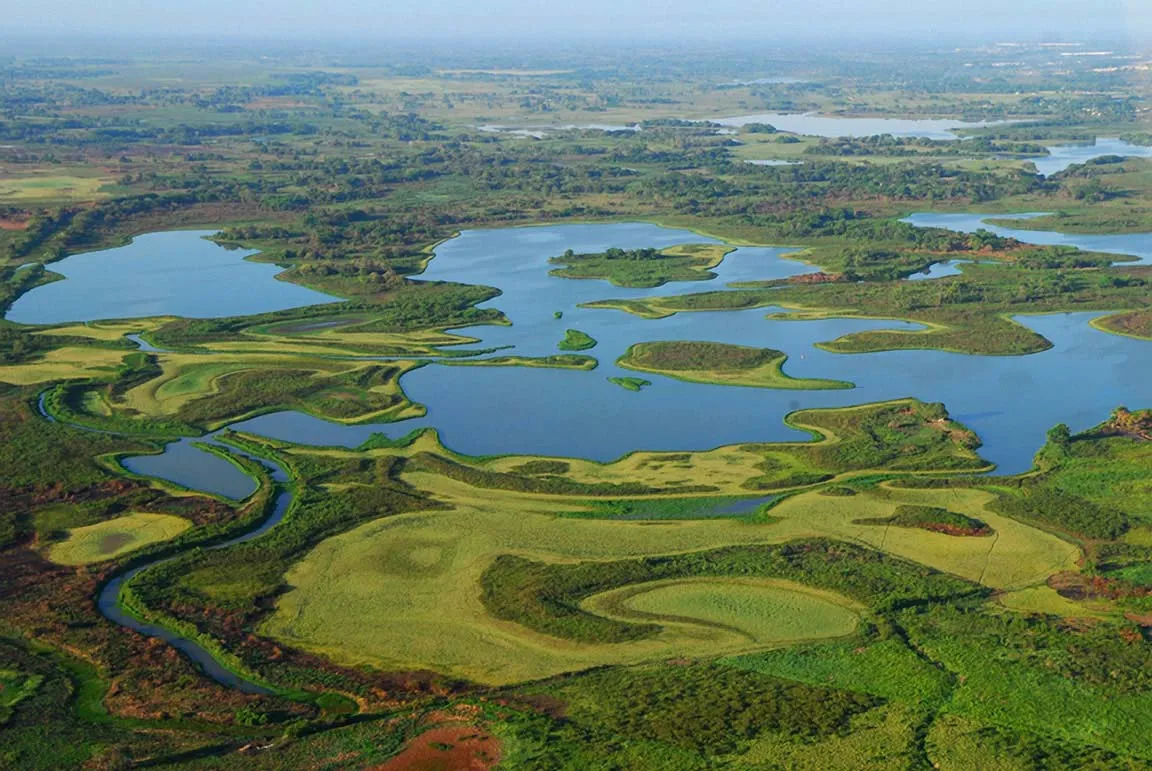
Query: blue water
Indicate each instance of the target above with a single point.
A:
(940, 270)
(1062, 156)
(1136, 244)
(178, 273)
(828, 126)
(1009, 401)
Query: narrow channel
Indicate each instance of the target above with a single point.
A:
(108, 600)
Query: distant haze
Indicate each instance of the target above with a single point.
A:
(989, 20)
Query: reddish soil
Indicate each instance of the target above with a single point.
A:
(13, 224)
(447, 748)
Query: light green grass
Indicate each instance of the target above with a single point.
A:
(403, 592)
(768, 612)
(106, 540)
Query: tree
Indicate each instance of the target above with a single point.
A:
(1060, 435)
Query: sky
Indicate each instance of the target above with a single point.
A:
(643, 19)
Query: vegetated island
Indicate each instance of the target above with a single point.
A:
(1132, 324)
(631, 383)
(720, 364)
(644, 268)
(575, 340)
(559, 361)
(932, 518)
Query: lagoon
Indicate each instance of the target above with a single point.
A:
(1010, 401)
(177, 273)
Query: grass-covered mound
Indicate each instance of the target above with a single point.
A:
(719, 363)
(932, 518)
(575, 340)
(767, 611)
(644, 268)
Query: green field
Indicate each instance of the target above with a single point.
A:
(115, 537)
(433, 562)
(767, 612)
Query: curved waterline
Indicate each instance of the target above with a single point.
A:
(108, 599)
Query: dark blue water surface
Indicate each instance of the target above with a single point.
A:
(1010, 401)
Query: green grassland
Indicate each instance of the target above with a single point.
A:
(115, 537)
(767, 612)
(52, 189)
(435, 560)
(720, 364)
(645, 267)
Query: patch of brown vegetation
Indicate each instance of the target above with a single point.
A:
(819, 277)
(1135, 425)
(447, 748)
(1077, 586)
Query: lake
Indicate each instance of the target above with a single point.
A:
(1010, 401)
(1062, 156)
(177, 273)
(827, 126)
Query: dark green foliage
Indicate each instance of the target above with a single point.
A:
(1030, 751)
(696, 355)
(705, 708)
(634, 267)
(1113, 657)
(546, 597)
(543, 467)
(932, 518)
(1064, 511)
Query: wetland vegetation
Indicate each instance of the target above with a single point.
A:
(797, 573)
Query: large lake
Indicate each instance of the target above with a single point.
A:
(178, 273)
(1010, 401)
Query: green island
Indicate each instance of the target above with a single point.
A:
(292, 474)
(644, 267)
(575, 340)
(631, 383)
(719, 363)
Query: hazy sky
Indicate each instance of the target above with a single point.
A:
(997, 19)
